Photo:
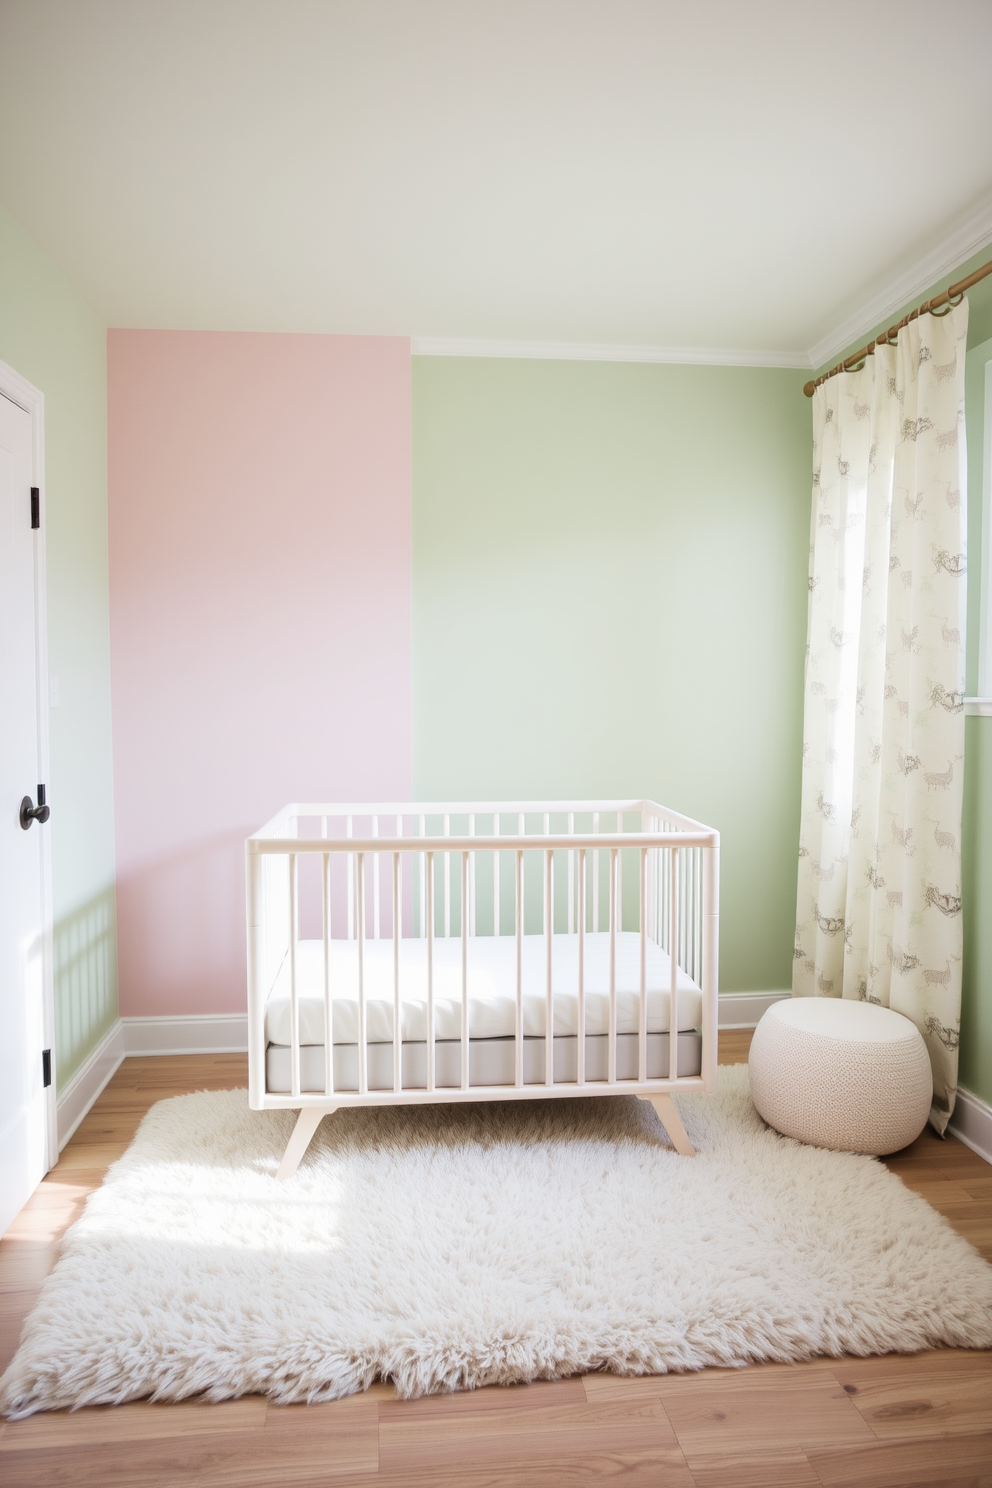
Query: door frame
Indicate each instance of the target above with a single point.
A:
(32, 400)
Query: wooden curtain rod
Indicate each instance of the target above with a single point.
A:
(950, 297)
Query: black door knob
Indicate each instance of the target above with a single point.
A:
(30, 812)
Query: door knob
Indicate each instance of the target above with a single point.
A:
(30, 812)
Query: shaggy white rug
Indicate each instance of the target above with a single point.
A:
(452, 1246)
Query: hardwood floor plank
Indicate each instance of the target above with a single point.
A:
(733, 1045)
(25, 1263)
(803, 1409)
(302, 1444)
(938, 1393)
(936, 1462)
(306, 1445)
(137, 1421)
(570, 1470)
(90, 1155)
(767, 1466)
(11, 1325)
(527, 1435)
(173, 1462)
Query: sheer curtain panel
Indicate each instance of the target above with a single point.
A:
(879, 899)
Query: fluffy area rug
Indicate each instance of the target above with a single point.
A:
(444, 1247)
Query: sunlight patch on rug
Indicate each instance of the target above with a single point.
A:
(445, 1247)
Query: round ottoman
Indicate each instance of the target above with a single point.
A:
(841, 1074)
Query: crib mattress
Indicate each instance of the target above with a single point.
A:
(491, 1062)
(491, 989)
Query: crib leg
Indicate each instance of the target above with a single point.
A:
(307, 1123)
(668, 1115)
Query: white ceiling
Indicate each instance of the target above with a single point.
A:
(712, 174)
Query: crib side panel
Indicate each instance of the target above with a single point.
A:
(467, 876)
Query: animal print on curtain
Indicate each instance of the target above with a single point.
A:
(879, 903)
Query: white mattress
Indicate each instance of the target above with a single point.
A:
(491, 989)
(491, 1062)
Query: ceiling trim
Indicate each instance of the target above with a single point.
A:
(970, 236)
(598, 351)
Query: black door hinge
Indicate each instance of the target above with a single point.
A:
(35, 507)
(46, 1067)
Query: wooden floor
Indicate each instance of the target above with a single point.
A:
(885, 1422)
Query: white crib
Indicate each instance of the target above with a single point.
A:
(404, 953)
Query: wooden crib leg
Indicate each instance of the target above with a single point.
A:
(307, 1123)
(668, 1115)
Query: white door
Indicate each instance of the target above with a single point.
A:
(24, 1100)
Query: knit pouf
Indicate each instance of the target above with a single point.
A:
(841, 1074)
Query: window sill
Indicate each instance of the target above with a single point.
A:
(978, 707)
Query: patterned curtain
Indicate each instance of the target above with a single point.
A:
(879, 902)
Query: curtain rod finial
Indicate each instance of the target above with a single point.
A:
(809, 389)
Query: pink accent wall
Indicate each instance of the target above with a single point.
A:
(259, 622)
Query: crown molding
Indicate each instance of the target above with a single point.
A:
(598, 351)
(967, 238)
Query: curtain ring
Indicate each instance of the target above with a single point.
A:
(953, 301)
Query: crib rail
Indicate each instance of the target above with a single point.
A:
(436, 872)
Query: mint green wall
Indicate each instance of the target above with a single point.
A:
(609, 598)
(50, 336)
(976, 997)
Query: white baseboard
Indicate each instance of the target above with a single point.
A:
(227, 1033)
(971, 1123)
(743, 1009)
(196, 1033)
(87, 1083)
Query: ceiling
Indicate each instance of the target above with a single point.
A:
(746, 179)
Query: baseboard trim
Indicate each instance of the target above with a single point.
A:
(744, 1009)
(971, 1123)
(227, 1033)
(194, 1033)
(87, 1083)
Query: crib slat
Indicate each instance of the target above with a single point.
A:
(518, 1025)
(697, 961)
(642, 1042)
(710, 961)
(423, 882)
(447, 883)
(429, 897)
(682, 886)
(595, 875)
(581, 1021)
(351, 871)
(376, 867)
(360, 907)
(495, 877)
(325, 885)
(471, 878)
(464, 928)
(673, 1011)
(571, 877)
(406, 857)
(397, 1024)
(549, 1018)
(612, 1041)
(294, 996)
(619, 889)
